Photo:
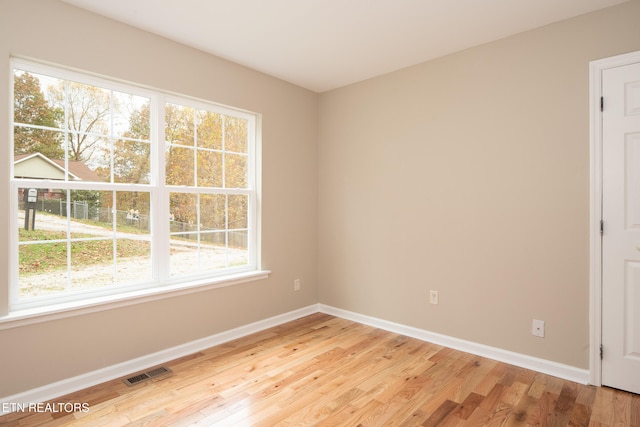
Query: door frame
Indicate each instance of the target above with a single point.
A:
(596, 68)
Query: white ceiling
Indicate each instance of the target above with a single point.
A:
(325, 44)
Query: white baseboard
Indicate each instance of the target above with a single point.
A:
(555, 369)
(120, 370)
(70, 385)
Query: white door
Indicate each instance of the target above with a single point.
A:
(621, 221)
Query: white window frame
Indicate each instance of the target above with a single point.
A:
(162, 285)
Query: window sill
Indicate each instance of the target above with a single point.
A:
(76, 308)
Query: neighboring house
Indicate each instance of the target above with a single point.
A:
(38, 166)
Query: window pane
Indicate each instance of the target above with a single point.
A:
(42, 214)
(209, 168)
(238, 211)
(94, 162)
(132, 162)
(183, 259)
(179, 169)
(179, 127)
(212, 212)
(42, 268)
(133, 212)
(235, 134)
(213, 254)
(95, 165)
(84, 207)
(133, 261)
(209, 130)
(238, 248)
(91, 264)
(184, 209)
(32, 103)
(131, 117)
(105, 214)
(88, 114)
(235, 171)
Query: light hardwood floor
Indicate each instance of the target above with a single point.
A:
(323, 370)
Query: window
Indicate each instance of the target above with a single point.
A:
(118, 188)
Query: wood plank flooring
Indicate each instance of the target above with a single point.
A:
(326, 371)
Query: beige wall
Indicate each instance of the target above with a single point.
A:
(49, 30)
(470, 175)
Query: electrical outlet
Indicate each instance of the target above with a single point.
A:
(434, 297)
(296, 285)
(537, 328)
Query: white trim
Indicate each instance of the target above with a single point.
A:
(70, 385)
(544, 366)
(596, 68)
(79, 382)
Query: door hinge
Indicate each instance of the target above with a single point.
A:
(602, 103)
(601, 227)
(601, 351)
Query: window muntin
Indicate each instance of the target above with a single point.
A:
(152, 212)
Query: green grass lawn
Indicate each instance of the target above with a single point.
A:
(46, 257)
